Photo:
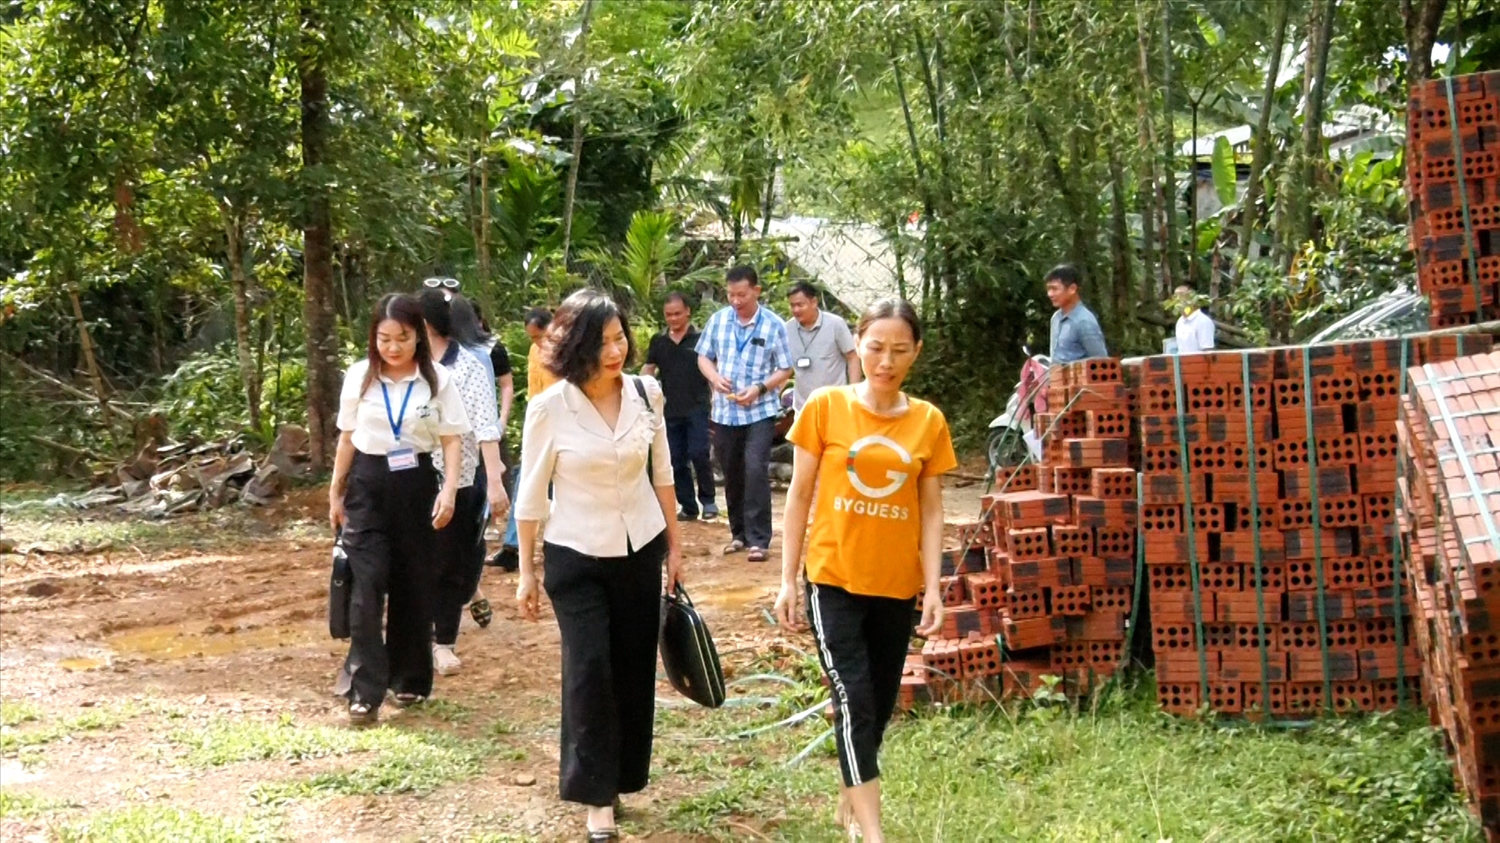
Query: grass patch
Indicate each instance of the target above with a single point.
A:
(449, 711)
(16, 712)
(1123, 772)
(91, 720)
(151, 823)
(29, 806)
(401, 761)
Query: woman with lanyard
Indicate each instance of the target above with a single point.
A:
(396, 410)
(868, 467)
(460, 547)
(600, 438)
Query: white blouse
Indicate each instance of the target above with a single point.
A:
(603, 504)
(427, 417)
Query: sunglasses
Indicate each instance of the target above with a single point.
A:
(450, 283)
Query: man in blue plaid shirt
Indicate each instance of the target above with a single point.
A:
(743, 354)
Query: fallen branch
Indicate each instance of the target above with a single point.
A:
(70, 389)
(67, 449)
(1225, 335)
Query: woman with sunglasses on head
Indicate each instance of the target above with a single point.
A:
(593, 436)
(460, 545)
(868, 469)
(397, 409)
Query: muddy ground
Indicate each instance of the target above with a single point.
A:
(227, 626)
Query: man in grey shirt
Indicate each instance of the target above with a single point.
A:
(822, 346)
(1076, 334)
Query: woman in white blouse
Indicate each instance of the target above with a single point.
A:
(611, 525)
(396, 410)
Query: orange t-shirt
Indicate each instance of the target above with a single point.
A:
(866, 526)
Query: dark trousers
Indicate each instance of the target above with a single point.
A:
(745, 452)
(862, 643)
(460, 560)
(608, 610)
(389, 538)
(688, 439)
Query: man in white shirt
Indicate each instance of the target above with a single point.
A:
(822, 346)
(1195, 329)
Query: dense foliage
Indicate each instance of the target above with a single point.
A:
(201, 199)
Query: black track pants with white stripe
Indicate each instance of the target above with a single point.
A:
(862, 644)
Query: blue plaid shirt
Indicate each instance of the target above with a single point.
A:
(746, 355)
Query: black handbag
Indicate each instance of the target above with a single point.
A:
(340, 590)
(687, 651)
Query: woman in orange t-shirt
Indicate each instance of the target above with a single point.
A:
(868, 468)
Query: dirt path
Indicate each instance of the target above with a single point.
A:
(156, 644)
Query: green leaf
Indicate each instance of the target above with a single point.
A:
(1224, 176)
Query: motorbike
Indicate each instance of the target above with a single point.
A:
(1013, 438)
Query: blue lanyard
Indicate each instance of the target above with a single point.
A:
(396, 421)
(753, 328)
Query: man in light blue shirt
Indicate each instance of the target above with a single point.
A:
(743, 354)
(1076, 334)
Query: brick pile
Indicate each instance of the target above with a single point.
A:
(1460, 290)
(1316, 451)
(1450, 524)
(1046, 587)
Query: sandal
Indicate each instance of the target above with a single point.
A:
(757, 555)
(604, 835)
(734, 547)
(361, 714)
(406, 700)
(481, 612)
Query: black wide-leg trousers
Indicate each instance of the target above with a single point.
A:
(460, 558)
(389, 538)
(608, 610)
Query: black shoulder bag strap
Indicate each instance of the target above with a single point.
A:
(640, 388)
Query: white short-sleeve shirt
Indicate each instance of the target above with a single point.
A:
(428, 417)
(1195, 333)
(603, 503)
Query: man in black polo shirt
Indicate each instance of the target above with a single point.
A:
(673, 359)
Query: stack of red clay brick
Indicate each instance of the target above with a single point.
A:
(1450, 525)
(1046, 588)
(1447, 169)
(1316, 451)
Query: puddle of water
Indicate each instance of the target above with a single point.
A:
(734, 598)
(81, 663)
(180, 641)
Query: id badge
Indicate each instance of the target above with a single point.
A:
(401, 459)
(804, 362)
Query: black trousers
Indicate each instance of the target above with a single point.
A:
(862, 643)
(688, 439)
(608, 610)
(389, 538)
(745, 452)
(460, 560)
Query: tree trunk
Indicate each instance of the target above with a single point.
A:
(483, 244)
(1300, 177)
(923, 185)
(234, 237)
(1146, 192)
(319, 306)
(1119, 250)
(578, 125)
(90, 362)
(1170, 246)
(1263, 139)
(1312, 124)
(1422, 19)
(768, 202)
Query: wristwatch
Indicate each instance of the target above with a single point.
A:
(763, 389)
